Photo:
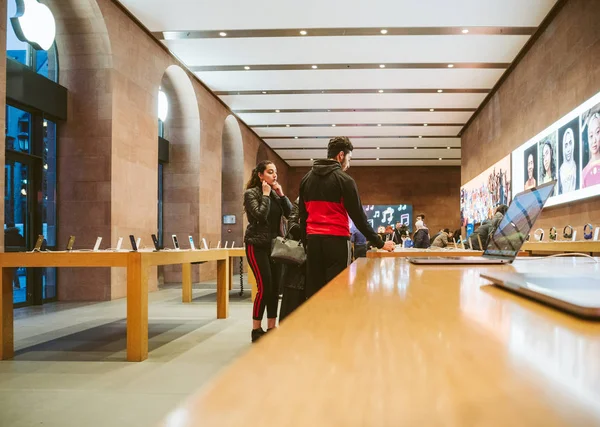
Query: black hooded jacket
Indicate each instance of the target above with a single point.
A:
(327, 196)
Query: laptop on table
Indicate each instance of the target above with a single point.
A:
(507, 240)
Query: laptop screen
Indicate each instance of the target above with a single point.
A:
(518, 221)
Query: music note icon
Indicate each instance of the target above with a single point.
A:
(376, 214)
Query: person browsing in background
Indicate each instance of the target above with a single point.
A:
(549, 170)
(567, 173)
(265, 204)
(421, 237)
(360, 243)
(328, 195)
(421, 217)
(441, 241)
(381, 232)
(398, 233)
(530, 183)
(389, 233)
(591, 173)
(406, 240)
(486, 229)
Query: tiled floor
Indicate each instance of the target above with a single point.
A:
(70, 368)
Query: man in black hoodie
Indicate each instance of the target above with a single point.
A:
(327, 196)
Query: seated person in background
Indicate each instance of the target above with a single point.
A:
(407, 241)
(381, 232)
(486, 229)
(398, 233)
(432, 238)
(441, 241)
(421, 237)
(457, 235)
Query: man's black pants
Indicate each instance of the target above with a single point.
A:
(326, 257)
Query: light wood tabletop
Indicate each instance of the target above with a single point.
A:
(585, 246)
(388, 343)
(419, 253)
(137, 265)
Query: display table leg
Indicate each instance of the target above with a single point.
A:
(7, 340)
(186, 277)
(223, 278)
(137, 309)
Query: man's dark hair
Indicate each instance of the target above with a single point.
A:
(447, 230)
(422, 216)
(337, 144)
(502, 209)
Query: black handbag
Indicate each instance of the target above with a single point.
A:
(287, 251)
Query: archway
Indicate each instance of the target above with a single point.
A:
(232, 183)
(181, 175)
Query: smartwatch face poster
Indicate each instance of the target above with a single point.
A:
(568, 151)
(480, 196)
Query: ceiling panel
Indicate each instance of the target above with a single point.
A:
(410, 162)
(362, 117)
(371, 153)
(332, 50)
(350, 79)
(281, 41)
(383, 100)
(321, 143)
(359, 131)
(235, 14)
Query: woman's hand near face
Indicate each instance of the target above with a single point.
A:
(278, 189)
(266, 188)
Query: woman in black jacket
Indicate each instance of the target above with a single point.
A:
(265, 204)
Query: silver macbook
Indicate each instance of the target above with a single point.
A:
(507, 240)
(576, 294)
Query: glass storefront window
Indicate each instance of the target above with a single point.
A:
(18, 130)
(43, 62)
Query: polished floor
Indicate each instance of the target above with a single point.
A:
(70, 368)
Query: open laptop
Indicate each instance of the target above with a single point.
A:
(507, 240)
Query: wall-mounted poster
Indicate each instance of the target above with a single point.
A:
(480, 196)
(384, 215)
(568, 151)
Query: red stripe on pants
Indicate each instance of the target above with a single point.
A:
(259, 282)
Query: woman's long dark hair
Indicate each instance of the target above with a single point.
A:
(254, 180)
(552, 167)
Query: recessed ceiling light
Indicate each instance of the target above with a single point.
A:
(465, 31)
(380, 90)
(246, 68)
(378, 148)
(223, 34)
(328, 111)
(448, 148)
(332, 126)
(264, 92)
(303, 33)
(416, 148)
(377, 158)
(440, 90)
(431, 109)
(314, 67)
(384, 31)
(287, 126)
(381, 65)
(295, 137)
(312, 160)
(379, 124)
(450, 65)
(277, 111)
(425, 124)
(440, 158)
(420, 136)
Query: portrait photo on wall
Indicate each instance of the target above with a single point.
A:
(568, 157)
(547, 159)
(530, 166)
(590, 142)
(480, 196)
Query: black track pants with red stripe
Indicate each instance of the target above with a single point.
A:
(267, 274)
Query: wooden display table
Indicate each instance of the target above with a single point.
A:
(585, 246)
(137, 264)
(388, 343)
(420, 253)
